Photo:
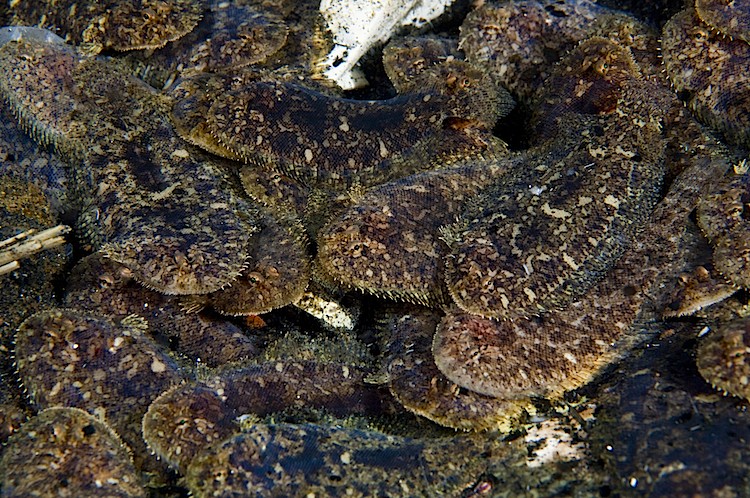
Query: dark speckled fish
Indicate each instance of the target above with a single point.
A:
(67, 452)
(311, 460)
(730, 17)
(230, 35)
(708, 70)
(723, 216)
(100, 285)
(82, 360)
(100, 25)
(389, 243)
(542, 236)
(562, 350)
(519, 42)
(416, 382)
(183, 421)
(332, 142)
(152, 202)
(722, 357)
(277, 273)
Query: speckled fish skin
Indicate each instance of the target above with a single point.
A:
(416, 382)
(24, 158)
(277, 274)
(99, 285)
(562, 350)
(406, 60)
(280, 194)
(518, 42)
(420, 64)
(540, 238)
(101, 25)
(708, 69)
(730, 17)
(183, 421)
(304, 460)
(155, 204)
(67, 358)
(723, 218)
(229, 36)
(193, 97)
(332, 142)
(65, 452)
(389, 244)
(722, 357)
(698, 284)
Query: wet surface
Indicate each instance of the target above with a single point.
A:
(578, 296)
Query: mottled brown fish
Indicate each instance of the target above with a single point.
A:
(102, 25)
(707, 69)
(99, 285)
(331, 142)
(388, 243)
(407, 60)
(229, 36)
(277, 273)
(308, 459)
(722, 215)
(561, 350)
(519, 42)
(183, 421)
(151, 202)
(730, 17)
(539, 238)
(723, 357)
(416, 382)
(86, 361)
(68, 452)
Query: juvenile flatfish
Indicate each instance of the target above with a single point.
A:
(150, 201)
(332, 142)
(723, 217)
(229, 36)
(186, 419)
(562, 350)
(541, 236)
(388, 243)
(308, 459)
(707, 69)
(67, 452)
(730, 17)
(111, 370)
(102, 25)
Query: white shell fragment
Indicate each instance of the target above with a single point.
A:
(358, 25)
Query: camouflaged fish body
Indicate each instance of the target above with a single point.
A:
(153, 203)
(541, 236)
(722, 215)
(261, 390)
(389, 242)
(127, 370)
(99, 285)
(722, 357)
(277, 272)
(731, 18)
(67, 445)
(275, 459)
(326, 141)
(708, 70)
(101, 25)
(228, 37)
(415, 381)
(562, 350)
